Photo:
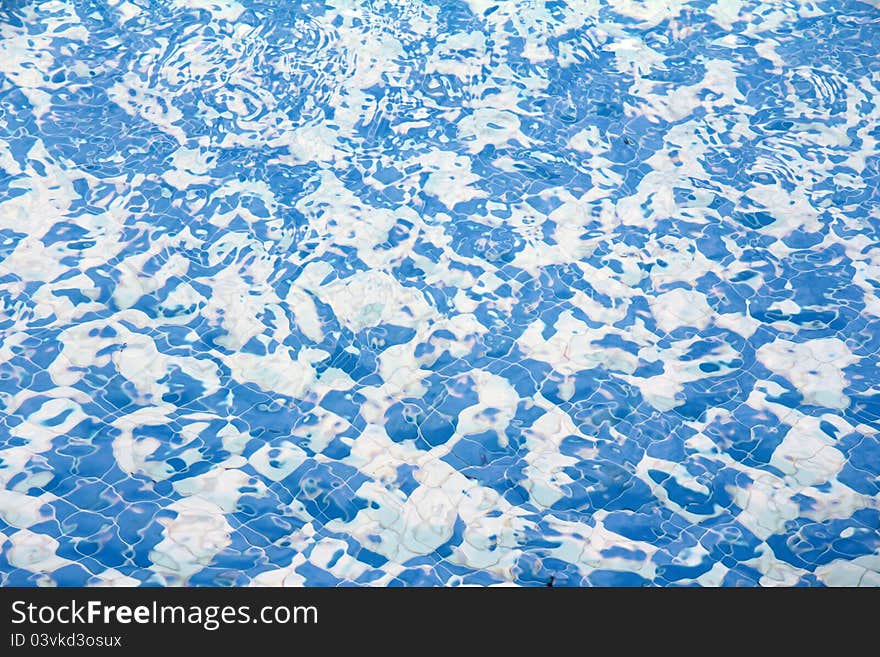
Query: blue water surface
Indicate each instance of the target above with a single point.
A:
(413, 292)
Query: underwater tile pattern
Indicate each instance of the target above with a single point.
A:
(405, 292)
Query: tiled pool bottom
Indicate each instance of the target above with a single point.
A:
(433, 293)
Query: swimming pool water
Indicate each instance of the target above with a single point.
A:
(537, 292)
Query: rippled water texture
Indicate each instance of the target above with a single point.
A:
(407, 292)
